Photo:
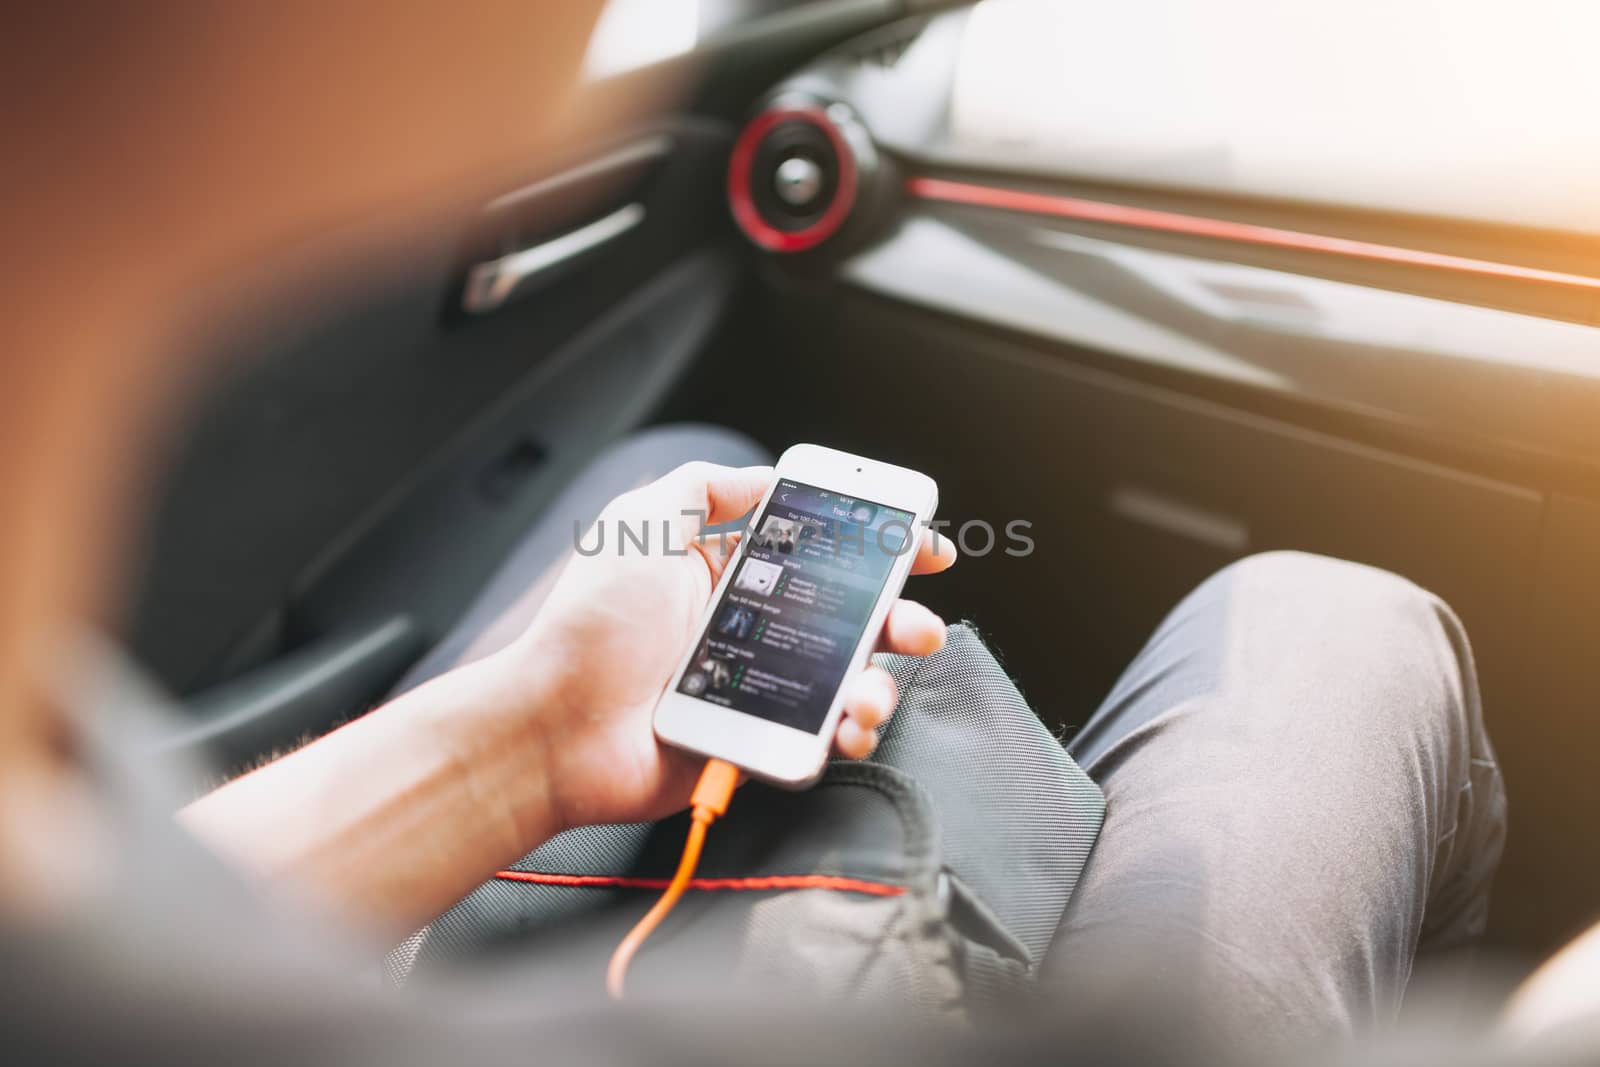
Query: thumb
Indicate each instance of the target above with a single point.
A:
(707, 495)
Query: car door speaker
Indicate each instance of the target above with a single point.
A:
(802, 172)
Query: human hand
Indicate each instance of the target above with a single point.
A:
(604, 645)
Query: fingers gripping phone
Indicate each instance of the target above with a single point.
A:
(797, 611)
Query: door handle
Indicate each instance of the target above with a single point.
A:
(490, 284)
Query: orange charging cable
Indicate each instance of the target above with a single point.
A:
(712, 795)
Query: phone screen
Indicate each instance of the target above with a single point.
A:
(781, 637)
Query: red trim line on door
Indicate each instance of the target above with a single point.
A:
(769, 882)
(1071, 207)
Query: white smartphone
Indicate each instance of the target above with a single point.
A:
(798, 610)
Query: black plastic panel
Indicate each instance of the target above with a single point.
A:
(1549, 886)
(429, 552)
(316, 428)
(1517, 389)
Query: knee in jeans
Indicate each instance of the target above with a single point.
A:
(1345, 615)
(1306, 576)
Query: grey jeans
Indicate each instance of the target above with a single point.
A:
(1300, 797)
(1300, 792)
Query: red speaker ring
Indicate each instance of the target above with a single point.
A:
(743, 203)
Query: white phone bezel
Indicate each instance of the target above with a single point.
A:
(776, 753)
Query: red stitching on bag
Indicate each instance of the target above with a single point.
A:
(769, 882)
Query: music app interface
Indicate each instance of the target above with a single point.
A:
(781, 638)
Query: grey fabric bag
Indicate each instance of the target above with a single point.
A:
(932, 876)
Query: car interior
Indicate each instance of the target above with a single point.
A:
(1163, 314)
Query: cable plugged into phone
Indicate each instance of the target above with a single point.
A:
(712, 795)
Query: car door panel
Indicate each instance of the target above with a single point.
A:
(321, 434)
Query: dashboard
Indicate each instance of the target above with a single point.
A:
(1286, 263)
